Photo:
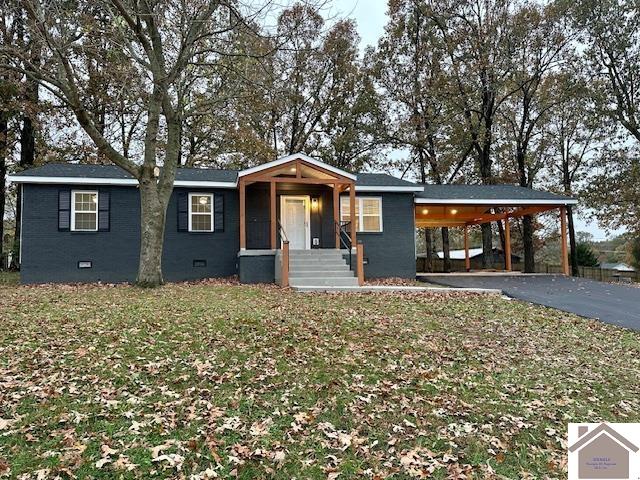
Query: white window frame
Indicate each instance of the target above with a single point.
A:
(74, 211)
(191, 214)
(359, 201)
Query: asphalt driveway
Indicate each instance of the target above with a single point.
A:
(611, 303)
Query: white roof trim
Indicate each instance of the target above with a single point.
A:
(72, 180)
(387, 188)
(506, 201)
(294, 156)
(111, 181)
(198, 183)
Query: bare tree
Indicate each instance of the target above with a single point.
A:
(611, 31)
(159, 41)
(540, 46)
(478, 41)
(579, 135)
(411, 71)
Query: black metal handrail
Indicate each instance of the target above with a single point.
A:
(285, 256)
(283, 234)
(345, 239)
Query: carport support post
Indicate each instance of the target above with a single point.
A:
(563, 241)
(507, 244)
(467, 260)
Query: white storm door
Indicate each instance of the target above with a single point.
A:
(295, 221)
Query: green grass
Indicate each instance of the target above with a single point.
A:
(260, 382)
(9, 278)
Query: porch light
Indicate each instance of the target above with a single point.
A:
(314, 204)
(292, 169)
(453, 211)
(425, 211)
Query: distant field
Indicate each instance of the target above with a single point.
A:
(218, 380)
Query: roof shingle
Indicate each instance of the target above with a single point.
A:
(491, 193)
(72, 170)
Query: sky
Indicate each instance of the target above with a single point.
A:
(371, 17)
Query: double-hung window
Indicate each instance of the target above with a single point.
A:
(84, 211)
(200, 212)
(368, 213)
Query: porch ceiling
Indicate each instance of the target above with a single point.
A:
(459, 215)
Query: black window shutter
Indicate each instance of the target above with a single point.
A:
(64, 210)
(183, 212)
(104, 207)
(218, 212)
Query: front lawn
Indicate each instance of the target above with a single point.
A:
(219, 380)
(9, 278)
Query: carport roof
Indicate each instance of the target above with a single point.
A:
(488, 195)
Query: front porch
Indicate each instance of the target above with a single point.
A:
(295, 204)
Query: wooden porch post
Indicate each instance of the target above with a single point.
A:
(507, 244)
(336, 213)
(272, 212)
(360, 263)
(285, 264)
(563, 241)
(467, 260)
(352, 212)
(243, 228)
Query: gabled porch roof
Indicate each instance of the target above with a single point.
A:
(272, 167)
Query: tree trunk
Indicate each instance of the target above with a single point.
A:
(573, 257)
(428, 245)
(27, 148)
(152, 224)
(27, 157)
(527, 243)
(446, 257)
(15, 249)
(527, 221)
(4, 130)
(487, 245)
(502, 241)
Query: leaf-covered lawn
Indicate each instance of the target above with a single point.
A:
(219, 380)
(9, 278)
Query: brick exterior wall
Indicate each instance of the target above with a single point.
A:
(49, 255)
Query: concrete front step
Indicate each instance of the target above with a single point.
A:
(315, 281)
(321, 274)
(318, 251)
(311, 258)
(317, 261)
(317, 267)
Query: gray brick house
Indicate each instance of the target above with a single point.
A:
(295, 220)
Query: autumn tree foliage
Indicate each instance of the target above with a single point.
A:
(308, 90)
(540, 94)
(92, 51)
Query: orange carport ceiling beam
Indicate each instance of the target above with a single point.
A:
(434, 216)
(447, 215)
